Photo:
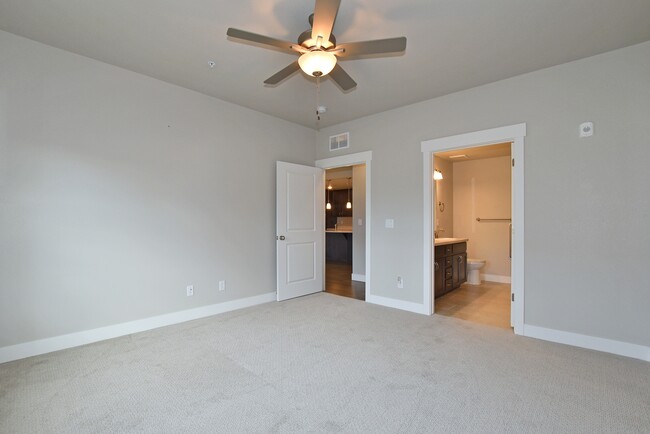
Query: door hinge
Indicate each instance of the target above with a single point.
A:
(512, 297)
(513, 162)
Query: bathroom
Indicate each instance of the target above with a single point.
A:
(472, 225)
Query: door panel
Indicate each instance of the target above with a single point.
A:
(300, 262)
(300, 245)
(300, 206)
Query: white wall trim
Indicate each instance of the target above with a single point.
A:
(397, 304)
(344, 160)
(359, 277)
(495, 278)
(590, 342)
(515, 134)
(56, 343)
(351, 160)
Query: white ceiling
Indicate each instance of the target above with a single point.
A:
(452, 44)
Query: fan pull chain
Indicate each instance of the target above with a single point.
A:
(317, 98)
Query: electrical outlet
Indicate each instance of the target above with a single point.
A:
(190, 290)
(222, 285)
(400, 282)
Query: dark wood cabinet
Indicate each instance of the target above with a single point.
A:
(450, 267)
(338, 199)
(338, 247)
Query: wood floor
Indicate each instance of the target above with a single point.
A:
(487, 303)
(338, 281)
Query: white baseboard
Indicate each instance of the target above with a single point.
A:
(495, 278)
(56, 343)
(397, 304)
(359, 277)
(590, 342)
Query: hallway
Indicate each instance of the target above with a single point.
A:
(338, 281)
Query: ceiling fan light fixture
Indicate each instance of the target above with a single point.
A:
(317, 63)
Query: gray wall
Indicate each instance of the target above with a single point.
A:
(587, 204)
(118, 190)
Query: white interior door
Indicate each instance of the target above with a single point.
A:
(300, 231)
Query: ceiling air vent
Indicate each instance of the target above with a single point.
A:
(339, 141)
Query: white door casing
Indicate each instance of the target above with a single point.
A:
(514, 134)
(300, 231)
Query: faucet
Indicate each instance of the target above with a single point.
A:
(436, 233)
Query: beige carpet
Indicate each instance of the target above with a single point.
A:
(325, 363)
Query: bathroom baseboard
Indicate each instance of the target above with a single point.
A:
(62, 342)
(495, 278)
(589, 342)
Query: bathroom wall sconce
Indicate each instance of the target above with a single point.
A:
(437, 176)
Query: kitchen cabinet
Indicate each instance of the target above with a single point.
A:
(450, 267)
(338, 246)
(338, 199)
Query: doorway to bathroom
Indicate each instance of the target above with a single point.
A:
(472, 187)
(473, 206)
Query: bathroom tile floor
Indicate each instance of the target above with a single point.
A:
(487, 303)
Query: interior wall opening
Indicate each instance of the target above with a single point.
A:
(472, 243)
(345, 221)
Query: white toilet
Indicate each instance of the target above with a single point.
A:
(473, 267)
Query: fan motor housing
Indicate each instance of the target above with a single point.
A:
(306, 40)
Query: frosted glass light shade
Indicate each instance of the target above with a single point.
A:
(328, 206)
(348, 205)
(317, 63)
(437, 175)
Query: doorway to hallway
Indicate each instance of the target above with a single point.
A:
(352, 279)
(345, 218)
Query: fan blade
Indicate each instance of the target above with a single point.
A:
(342, 78)
(282, 74)
(324, 16)
(378, 46)
(260, 39)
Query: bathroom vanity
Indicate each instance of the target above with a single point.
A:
(450, 264)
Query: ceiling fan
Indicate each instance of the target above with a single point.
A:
(318, 49)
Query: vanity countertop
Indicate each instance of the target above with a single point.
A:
(445, 241)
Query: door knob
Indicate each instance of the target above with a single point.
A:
(281, 238)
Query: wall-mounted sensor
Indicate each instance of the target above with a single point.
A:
(586, 129)
(211, 63)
